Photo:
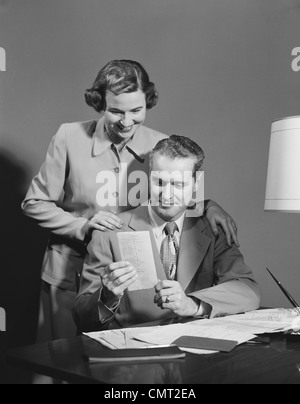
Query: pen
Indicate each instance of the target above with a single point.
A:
(155, 346)
(259, 341)
(286, 293)
(256, 343)
(158, 346)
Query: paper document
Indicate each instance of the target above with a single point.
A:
(120, 339)
(199, 328)
(239, 328)
(136, 248)
(268, 320)
(145, 337)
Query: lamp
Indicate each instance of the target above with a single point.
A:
(283, 177)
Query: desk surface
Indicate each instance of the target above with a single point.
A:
(278, 362)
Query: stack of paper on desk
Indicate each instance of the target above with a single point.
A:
(146, 337)
(267, 321)
(240, 328)
(201, 328)
(166, 335)
(120, 339)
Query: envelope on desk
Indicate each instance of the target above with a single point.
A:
(209, 344)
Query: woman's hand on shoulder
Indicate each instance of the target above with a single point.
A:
(104, 220)
(217, 215)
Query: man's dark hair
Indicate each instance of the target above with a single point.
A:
(179, 147)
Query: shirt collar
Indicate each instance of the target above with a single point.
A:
(102, 141)
(159, 224)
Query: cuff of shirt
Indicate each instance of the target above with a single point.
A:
(81, 232)
(106, 314)
(204, 310)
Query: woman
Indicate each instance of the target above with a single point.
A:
(70, 197)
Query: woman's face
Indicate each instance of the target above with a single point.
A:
(124, 113)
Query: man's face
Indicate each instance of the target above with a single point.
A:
(125, 113)
(172, 185)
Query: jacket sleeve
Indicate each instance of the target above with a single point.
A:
(235, 290)
(89, 312)
(46, 189)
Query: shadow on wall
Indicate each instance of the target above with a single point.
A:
(22, 247)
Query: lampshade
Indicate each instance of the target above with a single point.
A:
(283, 177)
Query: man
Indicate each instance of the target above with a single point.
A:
(198, 273)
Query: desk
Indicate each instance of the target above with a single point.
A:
(278, 363)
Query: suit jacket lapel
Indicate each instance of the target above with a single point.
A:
(139, 221)
(193, 247)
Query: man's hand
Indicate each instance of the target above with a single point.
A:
(116, 278)
(217, 215)
(170, 295)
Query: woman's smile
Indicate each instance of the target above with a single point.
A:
(124, 129)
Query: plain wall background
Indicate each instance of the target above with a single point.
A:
(223, 72)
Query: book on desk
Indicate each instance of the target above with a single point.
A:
(137, 355)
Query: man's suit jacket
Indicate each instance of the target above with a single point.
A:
(208, 269)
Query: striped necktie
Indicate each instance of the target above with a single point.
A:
(169, 250)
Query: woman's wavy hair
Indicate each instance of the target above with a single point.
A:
(120, 76)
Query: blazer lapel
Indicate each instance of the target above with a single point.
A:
(139, 221)
(101, 141)
(193, 247)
